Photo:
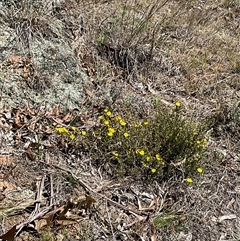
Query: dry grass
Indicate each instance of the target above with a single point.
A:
(133, 52)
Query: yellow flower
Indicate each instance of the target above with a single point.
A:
(72, 136)
(200, 170)
(115, 153)
(84, 133)
(158, 157)
(74, 128)
(153, 170)
(198, 142)
(148, 158)
(62, 130)
(140, 152)
(126, 134)
(144, 164)
(109, 113)
(178, 104)
(58, 129)
(136, 125)
(204, 143)
(111, 131)
(110, 134)
(101, 117)
(106, 122)
(145, 123)
(122, 122)
(117, 118)
(189, 180)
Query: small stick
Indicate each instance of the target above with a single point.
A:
(87, 188)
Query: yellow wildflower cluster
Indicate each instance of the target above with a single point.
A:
(202, 143)
(190, 180)
(71, 132)
(111, 131)
(112, 127)
(62, 130)
(107, 112)
(117, 118)
(67, 132)
(131, 141)
(135, 141)
(159, 159)
(140, 152)
(153, 162)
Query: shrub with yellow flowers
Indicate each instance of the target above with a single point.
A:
(158, 145)
(71, 134)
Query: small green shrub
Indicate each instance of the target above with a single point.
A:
(46, 236)
(168, 220)
(160, 145)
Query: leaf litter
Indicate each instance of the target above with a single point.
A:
(120, 212)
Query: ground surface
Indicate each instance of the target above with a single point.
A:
(67, 60)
